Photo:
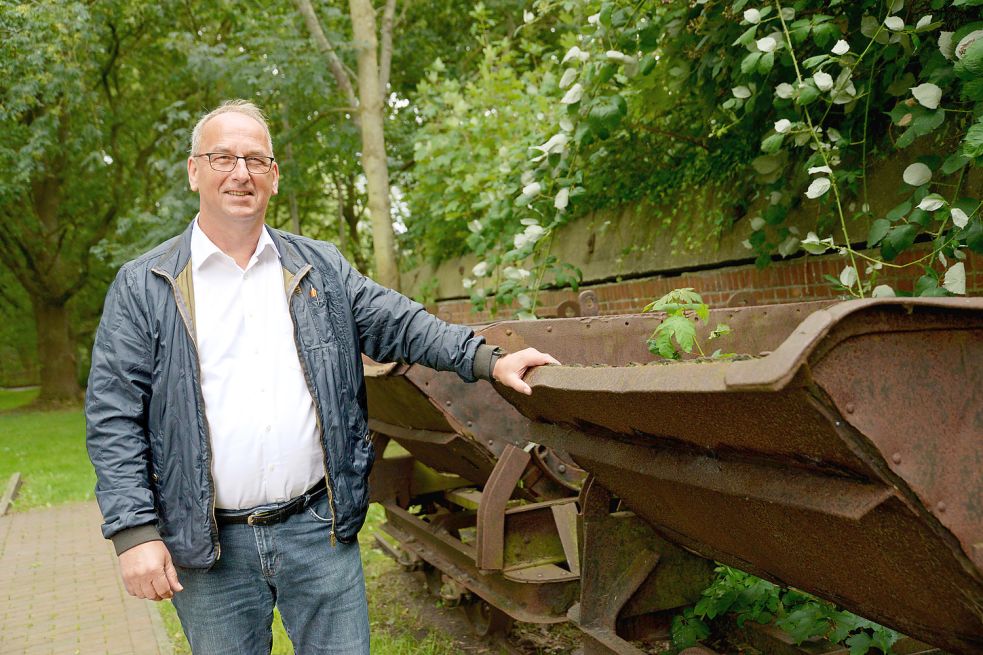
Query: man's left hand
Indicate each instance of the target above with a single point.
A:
(510, 368)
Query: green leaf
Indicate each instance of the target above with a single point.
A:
(920, 217)
(747, 38)
(825, 34)
(898, 239)
(926, 284)
(884, 638)
(766, 62)
(973, 89)
(924, 122)
(859, 643)
(750, 62)
(647, 64)
(606, 114)
(973, 143)
(772, 143)
(804, 622)
(900, 211)
(682, 330)
(606, 10)
(971, 65)
(878, 230)
(818, 60)
(808, 94)
(953, 163)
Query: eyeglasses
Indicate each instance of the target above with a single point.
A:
(225, 163)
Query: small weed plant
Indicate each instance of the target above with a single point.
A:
(802, 616)
(677, 333)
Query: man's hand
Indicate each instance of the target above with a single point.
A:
(148, 571)
(510, 368)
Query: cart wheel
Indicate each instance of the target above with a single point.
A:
(485, 619)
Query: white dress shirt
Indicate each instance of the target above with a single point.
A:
(265, 446)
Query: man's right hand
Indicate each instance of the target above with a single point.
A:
(148, 571)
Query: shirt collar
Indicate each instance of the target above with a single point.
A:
(203, 249)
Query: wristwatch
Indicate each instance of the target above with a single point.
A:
(496, 354)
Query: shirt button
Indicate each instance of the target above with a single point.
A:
(268, 428)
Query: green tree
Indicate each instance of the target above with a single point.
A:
(88, 103)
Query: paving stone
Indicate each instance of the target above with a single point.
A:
(62, 592)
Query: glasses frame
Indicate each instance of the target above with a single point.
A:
(267, 161)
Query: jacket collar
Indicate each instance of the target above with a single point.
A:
(177, 258)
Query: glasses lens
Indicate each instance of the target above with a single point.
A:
(258, 164)
(227, 163)
(222, 163)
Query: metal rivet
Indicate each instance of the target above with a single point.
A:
(491, 442)
(849, 408)
(940, 506)
(470, 424)
(896, 458)
(561, 468)
(508, 333)
(549, 328)
(448, 403)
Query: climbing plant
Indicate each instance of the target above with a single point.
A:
(769, 107)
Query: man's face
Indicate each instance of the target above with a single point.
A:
(238, 195)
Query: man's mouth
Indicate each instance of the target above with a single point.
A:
(239, 194)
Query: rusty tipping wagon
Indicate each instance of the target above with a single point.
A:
(845, 459)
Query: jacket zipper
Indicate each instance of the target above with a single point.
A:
(182, 310)
(295, 283)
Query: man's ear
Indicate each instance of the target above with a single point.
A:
(276, 178)
(193, 173)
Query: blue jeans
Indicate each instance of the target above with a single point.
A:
(320, 590)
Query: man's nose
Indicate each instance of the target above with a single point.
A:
(240, 171)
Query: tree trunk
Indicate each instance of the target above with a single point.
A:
(291, 194)
(56, 351)
(371, 110)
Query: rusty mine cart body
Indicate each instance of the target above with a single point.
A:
(844, 458)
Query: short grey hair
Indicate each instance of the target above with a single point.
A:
(239, 106)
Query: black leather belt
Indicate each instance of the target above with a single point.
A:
(273, 515)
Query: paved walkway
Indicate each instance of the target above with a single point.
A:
(60, 590)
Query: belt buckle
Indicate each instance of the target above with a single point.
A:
(259, 518)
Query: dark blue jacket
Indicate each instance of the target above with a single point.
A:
(146, 430)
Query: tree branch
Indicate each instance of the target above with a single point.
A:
(335, 65)
(386, 45)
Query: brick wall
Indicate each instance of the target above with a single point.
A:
(792, 280)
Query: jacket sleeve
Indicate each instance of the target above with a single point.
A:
(116, 403)
(391, 327)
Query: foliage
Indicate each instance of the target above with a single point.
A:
(680, 305)
(774, 112)
(802, 616)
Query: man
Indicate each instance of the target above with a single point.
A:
(226, 410)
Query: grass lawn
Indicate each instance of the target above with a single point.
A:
(48, 449)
